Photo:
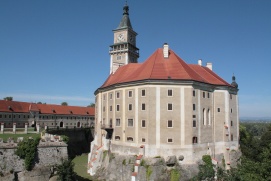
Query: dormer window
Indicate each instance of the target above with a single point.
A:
(71, 112)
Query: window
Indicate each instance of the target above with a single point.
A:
(118, 107)
(143, 107)
(231, 110)
(19, 116)
(117, 95)
(110, 108)
(143, 93)
(194, 93)
(9, 116)
(204, 117)
(104, 109)
(0, 115)
(111, 96)
(130, 93)
(231, 137)
(143, 123)
(104, 97)
(130, 139)
(130, 122)
(209, 117)
(169, 124)
(203, 94)
(194, 107)
(170, 140)
(218, 109)
(117, 122)
(117, 138)
(130, 107)
(169, 92)
(194, 116)
(208, 95)
(230, 96)
(231, 123)
(194, 123)
(194, 140)
(118, 57)
(143, 140)
(169, 107)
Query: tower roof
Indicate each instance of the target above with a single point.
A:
(125, 21)
(157, 67)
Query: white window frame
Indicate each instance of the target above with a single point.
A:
(130, 91)
(168, 140)
(129, 107)
(117, 95)
(119, 122)
(171, 123)
(117, 107)
(142, 107)
(171, 92)
(116, 139)
(142, 92)
(142, 123)
(128, 122)
(171, 106)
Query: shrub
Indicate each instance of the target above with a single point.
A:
(174, 175)
(65, 170)
(65, 138)
(27, 150)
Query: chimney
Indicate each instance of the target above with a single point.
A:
(209, 65)
(165, 50)
(200, 62)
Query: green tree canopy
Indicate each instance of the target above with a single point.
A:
(64, 103)
(8, 98)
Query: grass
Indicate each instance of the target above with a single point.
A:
(15, 136)
(80, 166)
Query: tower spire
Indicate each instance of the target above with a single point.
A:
(125, 21)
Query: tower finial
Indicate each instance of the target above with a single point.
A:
(234, 81)
(126, 9)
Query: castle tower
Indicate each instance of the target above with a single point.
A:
(124, 49)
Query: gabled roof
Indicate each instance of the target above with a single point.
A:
(156, 67)
(25, 107)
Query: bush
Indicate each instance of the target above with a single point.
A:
(65, 170)
(27, 150)
(174, 175)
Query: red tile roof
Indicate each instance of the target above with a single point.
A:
(25, 107)
(156, 67)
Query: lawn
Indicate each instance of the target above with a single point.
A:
(15, 136)
(80, 166)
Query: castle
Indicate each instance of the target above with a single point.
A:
(163, 106)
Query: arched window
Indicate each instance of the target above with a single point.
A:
(130, 139)
(78, 124)
(61, 124)
(117, 138)
(204, 117)
(209, 117)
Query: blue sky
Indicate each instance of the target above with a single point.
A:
(57, 50)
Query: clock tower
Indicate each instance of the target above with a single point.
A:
(124, 49)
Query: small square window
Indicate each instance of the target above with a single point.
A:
(130, 122)
(170, 140)
(143, 93)
(143, 107)
(169, 124)
(130, 93)
(169, 107)
(170, 92)
(194, 116)
(143, 123)
(143, 140)
(117, 95)
(130, 107)
(117, 138)
(118, 107)
(130, 139)
(218, 109)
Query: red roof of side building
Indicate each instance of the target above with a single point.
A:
(24, 107)
(156, 67)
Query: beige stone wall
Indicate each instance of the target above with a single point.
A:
(210, 132)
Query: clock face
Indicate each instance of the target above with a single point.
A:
(120, 37)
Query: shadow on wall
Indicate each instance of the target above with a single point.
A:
(79, 140)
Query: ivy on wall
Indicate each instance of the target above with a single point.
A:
(27, 150)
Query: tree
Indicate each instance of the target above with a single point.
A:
(206, 170)
(39, 102)
(65, 171)
(91, 105)
(64, 103)
(8, 98)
